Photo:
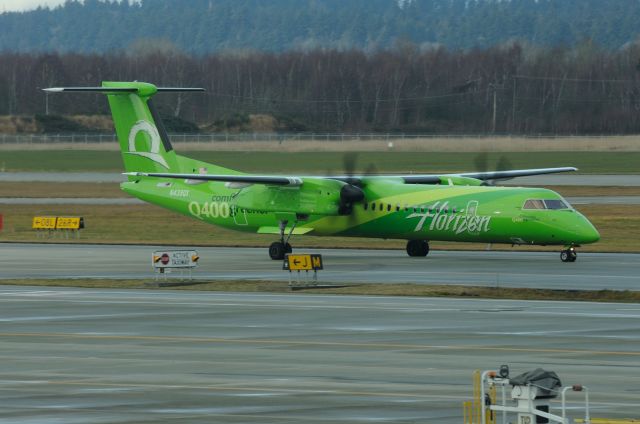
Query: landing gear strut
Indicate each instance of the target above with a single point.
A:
(278, 249)
(417, 248)
(568, 255)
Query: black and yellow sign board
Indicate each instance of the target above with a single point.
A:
(57, 223)
(69, 223)
(303, 262)
(44, 222)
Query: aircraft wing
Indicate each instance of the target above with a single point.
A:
(294, 181)
(484, 176)
(244, 179)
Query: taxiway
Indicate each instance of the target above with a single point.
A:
(592, 271)
(125, 356)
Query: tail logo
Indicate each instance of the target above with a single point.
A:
(154, 149)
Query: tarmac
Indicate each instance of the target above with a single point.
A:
(592, 271)
(163, 356)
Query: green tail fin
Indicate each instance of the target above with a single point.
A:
(144, 142)
(143, 139)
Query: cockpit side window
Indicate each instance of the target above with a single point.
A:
(533, 204)
(551, 204)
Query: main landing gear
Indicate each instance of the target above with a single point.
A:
(569, 255)
(417, 248)
(278, 249)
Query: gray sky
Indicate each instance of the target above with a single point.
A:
(12, 5)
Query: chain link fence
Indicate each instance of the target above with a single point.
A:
(260, 137)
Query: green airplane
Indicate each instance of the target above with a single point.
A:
(462, 207)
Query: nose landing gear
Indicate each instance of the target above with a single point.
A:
(569, 255)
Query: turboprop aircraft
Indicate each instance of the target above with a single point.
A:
(463, 207)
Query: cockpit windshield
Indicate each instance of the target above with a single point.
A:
(554, 204)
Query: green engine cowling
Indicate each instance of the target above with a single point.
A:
(316, 196)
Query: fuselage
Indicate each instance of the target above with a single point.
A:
(393, 210)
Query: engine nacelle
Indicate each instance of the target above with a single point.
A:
(316, 196)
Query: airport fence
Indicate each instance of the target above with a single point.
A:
(93, 138)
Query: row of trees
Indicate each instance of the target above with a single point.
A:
(507, 89)
(208, 26)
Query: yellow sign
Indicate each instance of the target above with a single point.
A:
(303, 262)
(44, 222)
(68, 223)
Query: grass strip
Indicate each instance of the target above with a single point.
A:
(321, 162)
(416, 290)
(70, 190)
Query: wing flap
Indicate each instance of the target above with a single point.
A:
(276, 230)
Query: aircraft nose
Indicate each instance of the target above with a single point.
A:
(587, 233)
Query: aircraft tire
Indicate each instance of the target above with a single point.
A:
(568, 255)
(288, 248)
(277, 251)
(417, 248)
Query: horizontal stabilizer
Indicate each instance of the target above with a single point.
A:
(108, 90)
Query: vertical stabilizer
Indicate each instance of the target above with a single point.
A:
(144, 142)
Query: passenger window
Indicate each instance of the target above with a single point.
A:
(388, 208)
(397, 208)
(373, 206)
(366, 206)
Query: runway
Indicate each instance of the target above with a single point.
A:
(135, 356)
(592, 271)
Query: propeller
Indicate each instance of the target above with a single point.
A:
(351, 192)
(481, 162)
